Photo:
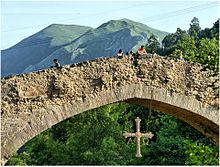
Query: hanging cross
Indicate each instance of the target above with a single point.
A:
(138, 136)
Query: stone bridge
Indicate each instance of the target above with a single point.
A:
(32, 103)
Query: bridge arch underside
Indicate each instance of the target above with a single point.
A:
(202, 117)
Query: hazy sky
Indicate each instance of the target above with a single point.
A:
(20, 19)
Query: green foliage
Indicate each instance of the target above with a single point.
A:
(168, 149)
(210, 32)
(195, 28)
(200, 154)
(200, 46)
(186, 48)
(153, 44)
(215, 30)
(208, 53)
(20, 160)
(44, 150)
(169, 43)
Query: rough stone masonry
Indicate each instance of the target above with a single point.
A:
(33, 102)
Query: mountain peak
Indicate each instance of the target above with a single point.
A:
(74, 43)
(65, 27)
(127, 20)
(114, 24)
(135, 27)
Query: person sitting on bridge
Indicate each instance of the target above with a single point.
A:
(120, 54)
(154, 53)
(56, 64)
(131, 52)
(131, 56)
(141, 51)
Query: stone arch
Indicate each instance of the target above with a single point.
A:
(201, 116)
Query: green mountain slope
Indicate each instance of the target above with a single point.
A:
(103, 41)
(37, 47)
(62, 34)
(139, 28)
(72, 44)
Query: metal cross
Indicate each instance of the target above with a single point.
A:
(138, 136)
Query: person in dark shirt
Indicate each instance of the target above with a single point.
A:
(56, 64)
(120, 54)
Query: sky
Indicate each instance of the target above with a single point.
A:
(21, 19)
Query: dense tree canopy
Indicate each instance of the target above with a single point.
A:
(153, 44)
(200, 46)
(195, 28)
(170, 41)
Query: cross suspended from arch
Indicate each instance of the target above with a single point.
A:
(138, 136)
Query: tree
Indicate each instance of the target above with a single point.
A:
(210, 33)
(208, 54)
(168, 149)
(215, 30)
(206, 33)
(200, 154)
(195, 28)
(187, 49)
(153, 44)
(169, 43)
